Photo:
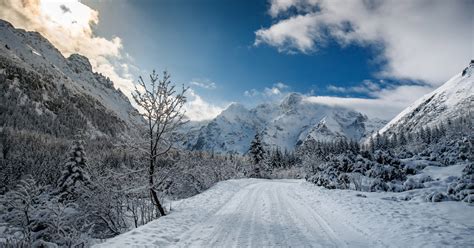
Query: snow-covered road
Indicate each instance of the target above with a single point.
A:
(269, 213)
(293, 213)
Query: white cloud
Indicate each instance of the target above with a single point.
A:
(366, 87)
(206, 84)
(68, 25)
(197, 109)
(273, 91)
(277, 90)
(386, 104)
(251, 93)
(428, 40)
(281, 86)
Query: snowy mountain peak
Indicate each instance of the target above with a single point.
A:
(284, 125)
(451, 100)
(322, 122)
(235, 108)
(467, 72)
(235, 111)
(93, 96)
(79, 63)
(291, 100)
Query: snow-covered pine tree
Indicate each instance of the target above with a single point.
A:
(354, 146)
(371, 144)
(257, 154)
(402, 140)
(277, 158)
(74, 174)
(394, 141)
(409, 137)
(378, 141)
(256, 149)
(422, 135)
(428, 135)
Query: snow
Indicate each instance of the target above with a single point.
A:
(443, 173)
(33, 52)
(284, 213)
(284, 125)
(449, 101)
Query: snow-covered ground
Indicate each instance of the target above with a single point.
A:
(295, 213)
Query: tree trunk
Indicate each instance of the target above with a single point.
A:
(153, 194)
(157, 202)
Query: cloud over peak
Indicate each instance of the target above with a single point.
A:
(197, 109)
(277, 90)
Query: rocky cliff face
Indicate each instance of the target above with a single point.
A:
(46, 92)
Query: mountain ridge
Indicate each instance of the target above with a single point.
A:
(48, 83)
(285, 124)
(449, 101)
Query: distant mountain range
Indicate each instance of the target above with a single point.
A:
(286, 125)
(294, 120)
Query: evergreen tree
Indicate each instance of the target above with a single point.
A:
(371, 144)
(442, 129)
(428, 135)
(256, 150)
(394, 141)
(378, 141)
(74, 174)
(422, 135)
(354, 146)
(402, 140)
(410, 137)
(257, 154)
(277, 158)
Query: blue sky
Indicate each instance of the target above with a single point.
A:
(213, 41)
(372, 56)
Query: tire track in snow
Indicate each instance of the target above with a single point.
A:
(256, 213)
(348, 228)
(315, 232)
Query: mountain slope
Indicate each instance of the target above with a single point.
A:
(46, 92)
(284, 125)
(453, 99)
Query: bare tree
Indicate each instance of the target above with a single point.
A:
(162, 107)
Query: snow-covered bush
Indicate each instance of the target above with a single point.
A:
(378, 185)
(22, 206)
(385, 172)
(412, 183)
(61, 219)
(412, 167)
(35, 216)
(463, 188)
(395, 186)
(326, 177)
(194, 172)
(435, 197)
(347, 171)
(356, 180)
